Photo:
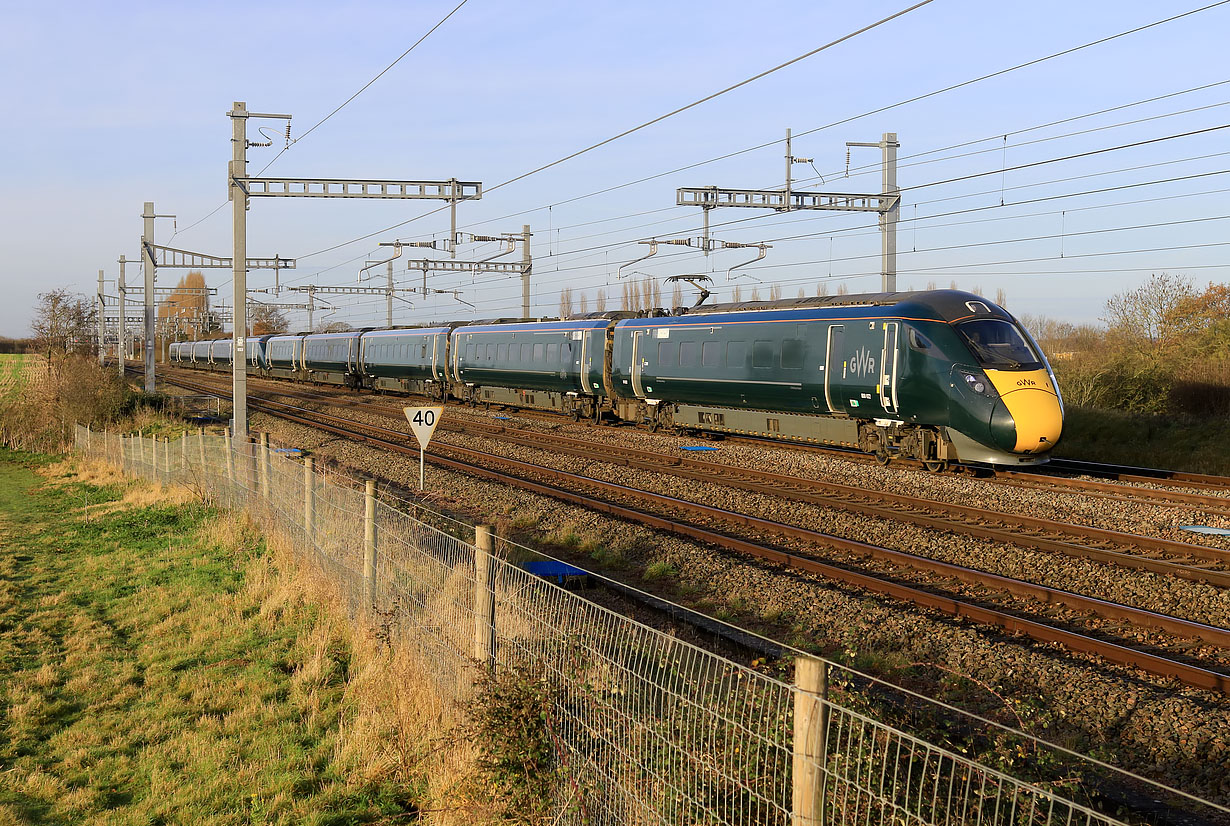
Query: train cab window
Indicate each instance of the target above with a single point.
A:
(538, 351)
(918, 341)
(501, 352)
(792, 354)
(736, 354)
(763, 353)
(711, 354)
(689, 353)
(999, 345)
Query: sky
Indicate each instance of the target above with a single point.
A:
(112, 105)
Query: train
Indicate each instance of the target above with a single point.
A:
(943, 376)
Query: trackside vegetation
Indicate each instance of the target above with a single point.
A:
(159, 663)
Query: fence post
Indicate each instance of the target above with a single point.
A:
(264, 466)
(484, 596)
(230, 457)
(200, 441)
(369, 544)
(183, 451)
(810, 740)
(309, 502)
(166, 460)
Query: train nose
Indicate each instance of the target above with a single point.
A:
(1029, 416)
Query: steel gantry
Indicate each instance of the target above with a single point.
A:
(886, 203)
(241, 188)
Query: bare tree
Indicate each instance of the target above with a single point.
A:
(677, 295)
(625, 297)
(736, 294)
(1141, 313)
(930, 285)
(61, 325)
(976, 289)
(600, 301)
(657, 294)
(1001, 297)
(565, 302)
(775, 292)
(265, 319)
(755, 293)
(802, 293)
(843, 289)
(952, 284)
(822, 288)
(584, 304)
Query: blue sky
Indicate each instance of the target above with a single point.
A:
(111, 105)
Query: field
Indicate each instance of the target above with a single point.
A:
(158, 667)
(14, 369)
(1199, 445)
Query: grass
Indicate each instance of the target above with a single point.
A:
(1169, 442)
(159, 664)
(12, 373)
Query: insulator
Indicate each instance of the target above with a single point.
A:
(801, 160)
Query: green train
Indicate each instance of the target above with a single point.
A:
(939, 376)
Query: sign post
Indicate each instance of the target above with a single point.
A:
(423, 421)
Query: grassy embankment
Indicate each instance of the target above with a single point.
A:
(159, 664)
(1199, 445)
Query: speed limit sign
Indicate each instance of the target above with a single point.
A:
(423, 421)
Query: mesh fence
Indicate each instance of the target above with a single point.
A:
(646, 728)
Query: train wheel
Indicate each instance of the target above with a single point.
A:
(936, 465)
(882, 457)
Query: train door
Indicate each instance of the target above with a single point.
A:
(435, 356)
(583, 363)
(637, 364)
(888, 368)
(833, 367)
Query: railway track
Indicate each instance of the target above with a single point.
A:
(1187, 560)
(669, 514)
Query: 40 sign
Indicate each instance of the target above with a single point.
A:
(423, 421)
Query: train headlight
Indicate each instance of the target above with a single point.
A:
(977, 384)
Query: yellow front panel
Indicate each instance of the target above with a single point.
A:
(1034, 406)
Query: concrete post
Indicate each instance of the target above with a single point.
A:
(264, 466)
(147, 258)
(527, 264)
(121, 351)
(309, 502)
(239, 271)
(484, 596)
(369, 545)
(888, 220)
(102, 323)
(810, 741)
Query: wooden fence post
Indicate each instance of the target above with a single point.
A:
(810, 741)
(484, 596)
(309, 502)
(369, 544)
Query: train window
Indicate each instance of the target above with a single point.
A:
(469, 352)
(501, 352)
(491, 352)
(552, 352)
(918, 341)
(763, 353)
(736, 354)
(538, 348)
(792, 354)
(423, 351)
(711, 354)
(565, 352)
(525, 352)
(998, 344)
(668, 353)
(689, 353)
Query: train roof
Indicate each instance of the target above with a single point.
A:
(942, 305)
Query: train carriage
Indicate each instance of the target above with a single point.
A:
(284, 356)
(409, 361)
(554, 365)
(220, 353)
(200, 353)
(332, 358)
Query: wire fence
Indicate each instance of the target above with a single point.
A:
(646, 728)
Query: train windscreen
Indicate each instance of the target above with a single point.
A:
(999, 345)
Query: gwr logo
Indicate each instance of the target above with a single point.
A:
(863, 363)
(1026, 383)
